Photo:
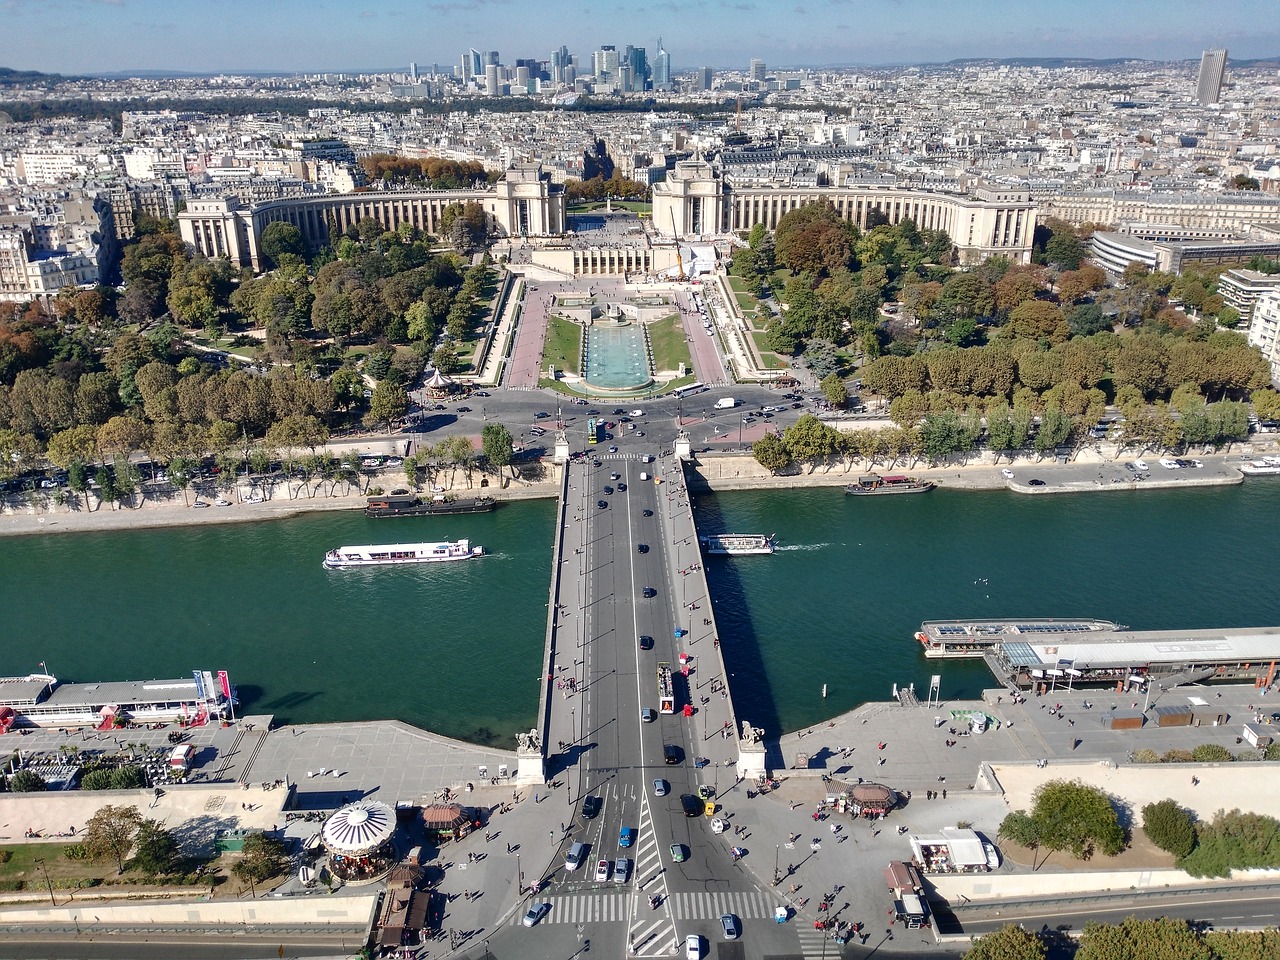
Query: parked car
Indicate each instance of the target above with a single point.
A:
(1007, 473)
(729, 925)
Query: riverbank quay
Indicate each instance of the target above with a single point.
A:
(977, 781)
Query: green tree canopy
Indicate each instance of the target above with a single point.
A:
(1010, 942)
(1169, 827)
(110, 833)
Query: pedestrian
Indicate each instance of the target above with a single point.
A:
(944, 794)
(466, 894)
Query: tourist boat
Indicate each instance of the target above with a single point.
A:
(896, 484)
(396, 553)
(1267, 466)
(737, 544)
(409, 505)
(960, 639)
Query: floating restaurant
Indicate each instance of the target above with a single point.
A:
(1130, 658)
(39, 700)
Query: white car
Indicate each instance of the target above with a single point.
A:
(637, 413)
(1141, 465)
(1007, 473)
(693, 947)
(1169, 464)
(221, 502)
(603, 869)
(253, 498)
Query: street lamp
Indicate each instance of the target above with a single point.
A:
(48, 882)
(777, 877)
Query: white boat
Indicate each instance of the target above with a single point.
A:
(1267, 466)
(737, 544)
(390, 554)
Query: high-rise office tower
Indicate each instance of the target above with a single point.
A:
(605, 62)
(413, 71)
(757, 70)
(491, 79)
(1213, 67)
(492, 58)
(639, 62)
(472, 64)
(661, 68)
(705, 77)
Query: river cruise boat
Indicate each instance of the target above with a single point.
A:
(737, 544)
(873, 484)
(390, 554)
(410, 505)
(41, 700)
(1266, 466)
(972, 639)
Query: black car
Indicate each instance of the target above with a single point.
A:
(622, 487)
(541, 415)
(646, 642)
(649, 593)
(464, 409)
(691, 805)
(642, 548)
(602, 504)
(1035, 483)
(608, 489)
(646, 513)
(590, 807)
(671, 754)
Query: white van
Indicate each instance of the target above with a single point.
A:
(726, 403)
(644, 476)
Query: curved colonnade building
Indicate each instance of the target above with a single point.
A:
(698, 199)
(524, 203)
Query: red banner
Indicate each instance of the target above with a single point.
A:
(224, 683)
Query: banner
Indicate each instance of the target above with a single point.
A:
(224, 683)
(210, 691)
(199, 684)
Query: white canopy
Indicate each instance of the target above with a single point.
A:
(359, 828)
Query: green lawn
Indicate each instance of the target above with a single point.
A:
(768, 359)
(737, 284)
(22, 867)
(635, 206)
(670, 348)
(563, 346)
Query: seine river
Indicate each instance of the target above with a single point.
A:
(455, 647)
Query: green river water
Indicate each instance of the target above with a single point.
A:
(455, 647)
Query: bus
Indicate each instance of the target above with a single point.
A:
(593, 430)
(666, 695)
(690, 390)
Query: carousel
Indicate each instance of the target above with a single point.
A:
(438, 386)
(358, 839)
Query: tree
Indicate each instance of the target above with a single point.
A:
(78, 480)
(1137, 939)
(110, 833)
(1169, 827)
(944, 434)
(1072, 816)
(771, 453)
(67, 446)
(154, 849)
(261, 858)
(834, 390)
(1064, 250)
(389, 402)
(1010, 942)
(27, 781)
(496, 440)
(282, 238)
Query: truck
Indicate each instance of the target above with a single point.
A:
(666, 695)
(726, 403)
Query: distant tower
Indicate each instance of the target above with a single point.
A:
(757, 70)
(661, 68)
(413, 71)
(491, 79)
(706, 77)
(1213, 67)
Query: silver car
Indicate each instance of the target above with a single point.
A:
(660, 788)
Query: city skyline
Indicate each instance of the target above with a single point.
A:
(145, 35)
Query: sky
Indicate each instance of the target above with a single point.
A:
(209, 36)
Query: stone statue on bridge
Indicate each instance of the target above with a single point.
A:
(750, 734)
(529, 742)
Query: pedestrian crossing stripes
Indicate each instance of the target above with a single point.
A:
(745, 904)
(604, 907)
(814, 943)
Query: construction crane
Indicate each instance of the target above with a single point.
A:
(679, 259)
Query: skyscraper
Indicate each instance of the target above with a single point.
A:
(639, 62)
(1213, 67)
(661, 68)
(705, 78)
(471, 65)
(757, 70)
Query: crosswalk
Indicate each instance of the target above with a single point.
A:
(605, 906)
(814, 944)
